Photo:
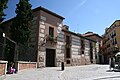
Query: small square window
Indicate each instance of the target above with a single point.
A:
(68, 61)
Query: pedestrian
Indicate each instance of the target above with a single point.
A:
(112, 63)
(11, 68)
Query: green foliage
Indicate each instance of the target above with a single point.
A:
(3, 5)
(9, 51)
(51, 38)
(20, 29)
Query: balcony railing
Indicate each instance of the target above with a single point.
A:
(51, 39)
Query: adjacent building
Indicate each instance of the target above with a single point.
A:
(79, 50)
(111, 40)
(98, 39)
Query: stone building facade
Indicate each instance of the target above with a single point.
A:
(53, 43)
(79, 50)
(111, 40)
(98, 39)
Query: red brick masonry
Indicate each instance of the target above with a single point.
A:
(3, 67)
(25, 65)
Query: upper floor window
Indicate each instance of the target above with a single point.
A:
(114, 33)
(115, 41)
(82, 44)
(67, 39)
(82, 52)
(67, 52)
(51, 31)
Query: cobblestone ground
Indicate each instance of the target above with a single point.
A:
(87, 72)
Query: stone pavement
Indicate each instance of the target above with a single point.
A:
(86, 72)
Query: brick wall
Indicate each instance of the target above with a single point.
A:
(3, 67)
(25, 65)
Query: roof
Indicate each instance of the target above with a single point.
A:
(40, 8)
(79, 35)
(48, 11)
(106, 31)
(114, 22)
(8, 21)
(88, 34)
(117, 54)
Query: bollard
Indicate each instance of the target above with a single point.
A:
(62, 66)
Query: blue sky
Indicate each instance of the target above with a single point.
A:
(80, 15)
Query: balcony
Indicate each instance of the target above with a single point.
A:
(51, 39)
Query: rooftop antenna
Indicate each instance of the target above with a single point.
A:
(77, 28)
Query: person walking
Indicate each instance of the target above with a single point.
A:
(112, 63)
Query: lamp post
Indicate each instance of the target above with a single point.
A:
(15, 54)
(4, 44)
(1, 19)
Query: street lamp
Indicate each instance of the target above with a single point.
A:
(9, 38)
(15, 54)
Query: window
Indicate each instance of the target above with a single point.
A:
(82, 44)
(114, 33)
(68, 61)
(67, 52)
(82, 52)
(51, 31)
(67, 39)
(115, 41)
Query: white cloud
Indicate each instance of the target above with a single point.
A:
(76, 8)
(81, 4)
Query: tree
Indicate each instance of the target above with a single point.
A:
(20, 30)
(3, 5)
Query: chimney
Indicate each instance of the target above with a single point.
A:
(65, 27)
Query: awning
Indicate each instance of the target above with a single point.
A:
(117, 54)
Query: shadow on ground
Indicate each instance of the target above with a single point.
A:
(107, 78)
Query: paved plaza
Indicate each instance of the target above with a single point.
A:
(85, 72)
